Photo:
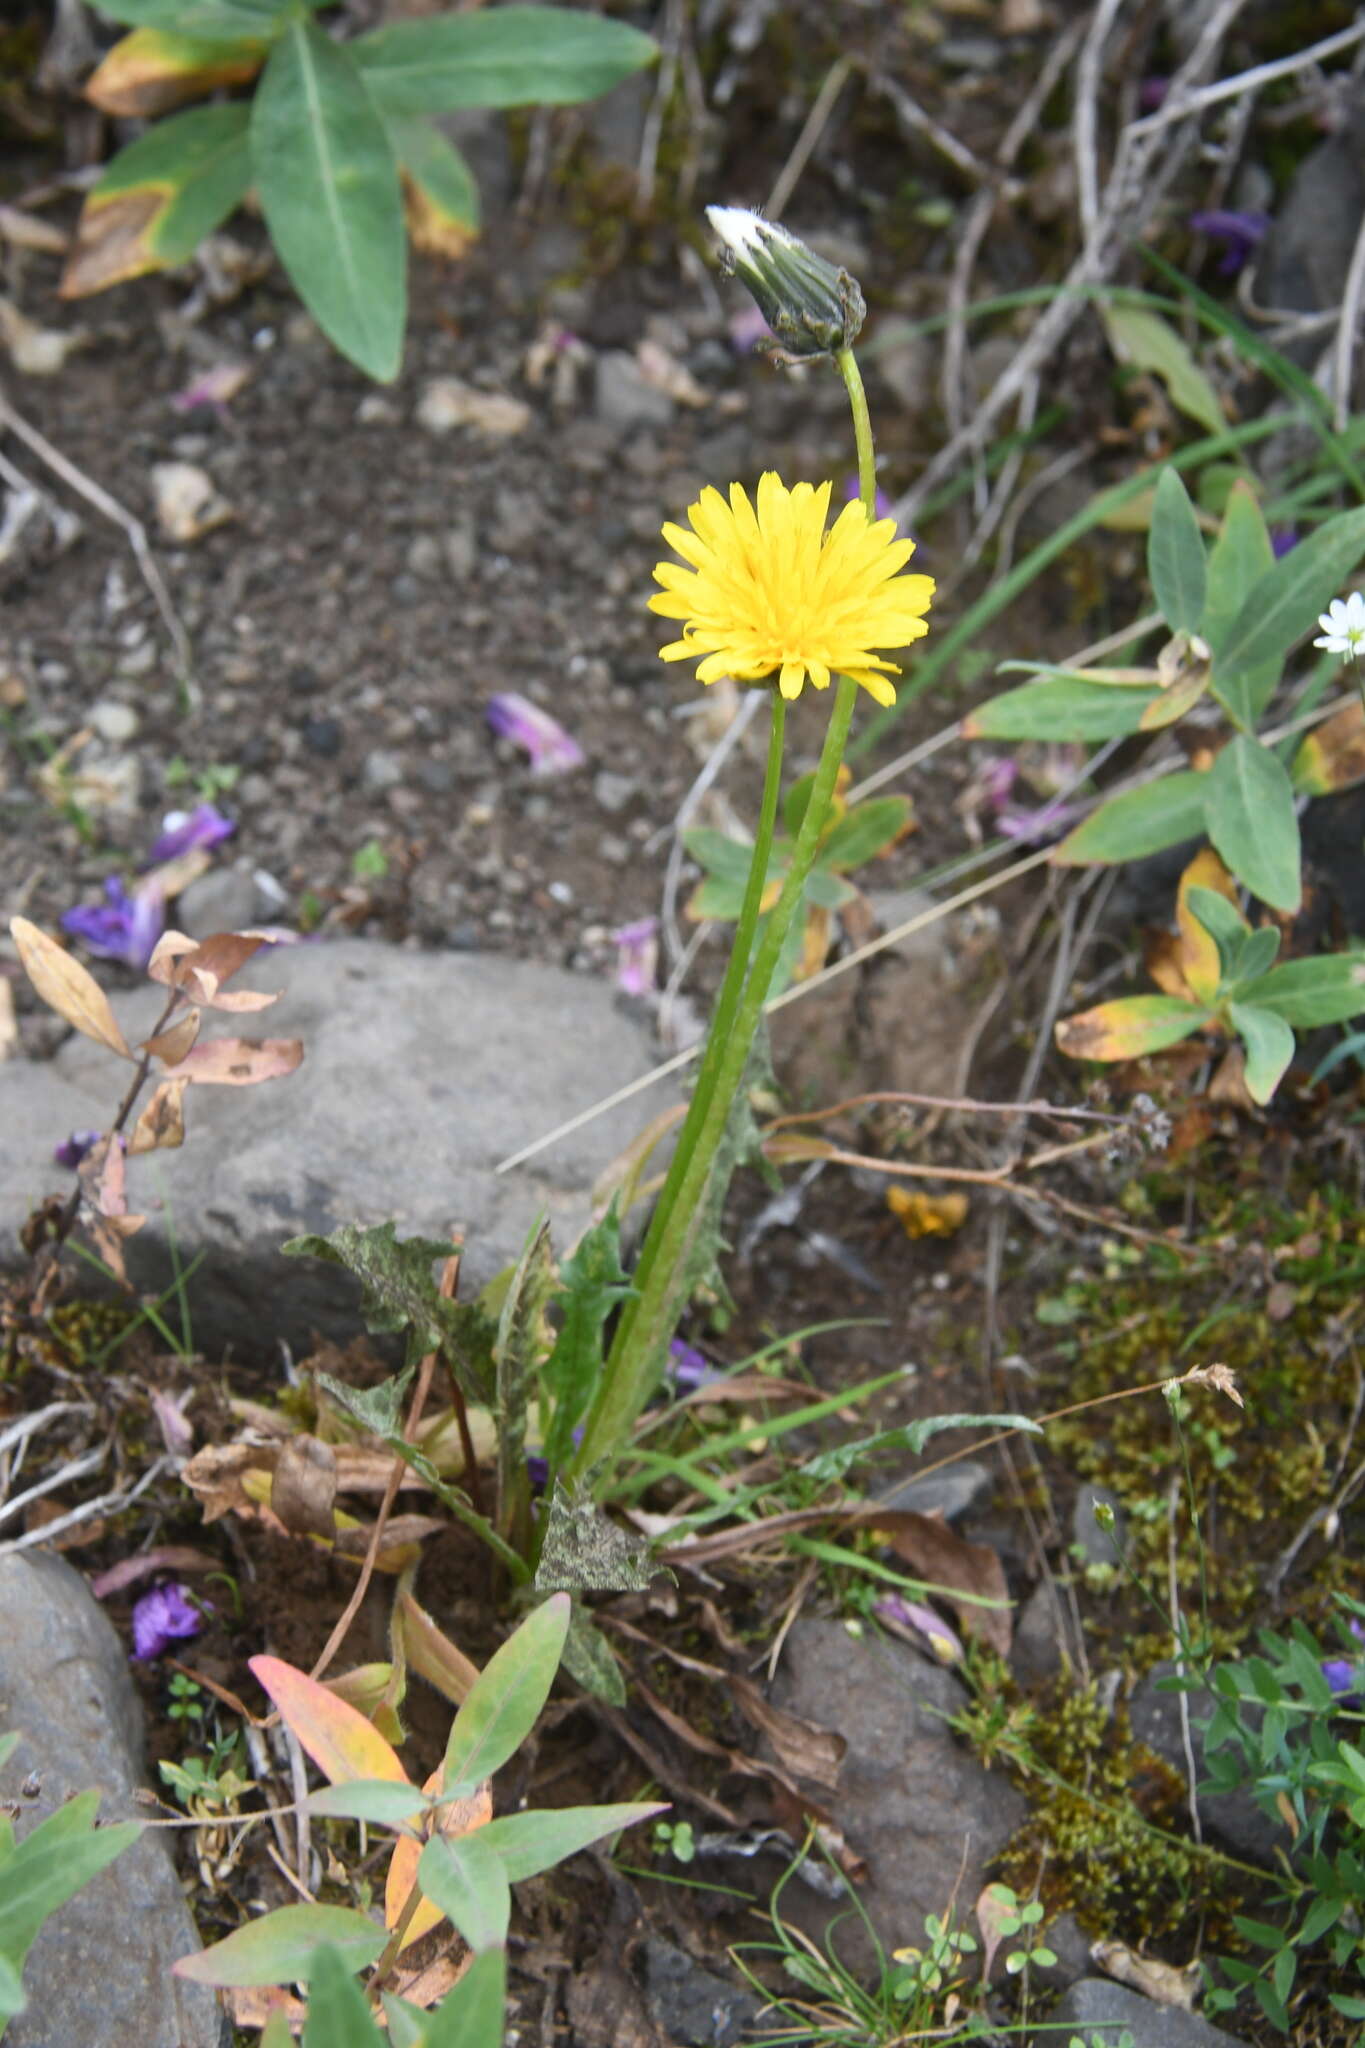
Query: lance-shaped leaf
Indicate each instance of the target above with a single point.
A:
(1142, 338)
(152, 72)
(441, 197)
(1269, 1043)
(338, 2011)
(219, 20)
(50, 1865)
(1139, 822)
(455, 1819)
(1251, 820)
(505, 1701)
(864, 832)
(1281, 607)
(1129, 1028)
(527, 1843)
(508, 57)
(329, 189)
(1175, 555)
(238, 1062)
(590, 1660)
(67, 987)
(1311, 993)
(160, 197)
(467, 1881)
(523, 1342)
(1333, 757)
(342, 1743)
(282, 1947)
(161, 1125)
(1240, 557)
(471, 2014)
(1061, 707)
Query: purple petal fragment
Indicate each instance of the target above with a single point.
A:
(72, 1150)
(182, 830)
(882, 505)
(688, 1369)
(1240, 234)
(544, 741)
(123, 927)
(164, 1616)
(637, 956)
(903, 1613)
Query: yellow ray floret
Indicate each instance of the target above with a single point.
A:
(768, 592)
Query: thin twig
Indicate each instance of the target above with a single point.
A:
(811, 131)
(1173, 1597)
(1085, 122)
(1348, 329)
(135, 532)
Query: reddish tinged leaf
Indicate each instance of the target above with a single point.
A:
(1127, 1029)
(67, 987)
(239, 1062)
(341, 1742)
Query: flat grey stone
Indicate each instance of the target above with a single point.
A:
(1095, 1544)
(1232, 1818)
(99, 1973)
(691, 2004)
(1040, 1636)
(421, 1072)
(949, 1493)
(623, 398)
(1098, 2003)
(911, 1798)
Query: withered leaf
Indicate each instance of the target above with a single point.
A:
(239, 1062)
(949, 1563)
(303, 1489)
(805, 1749)
(67, 987)
(172, 1044)
(161, 1126)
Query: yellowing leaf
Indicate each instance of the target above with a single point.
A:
(152, 71)
(1198, 954)
(461, 1817)
(341, 1742)
(1127, 1029)
(67, 987)
(927, 1215)
(160, 197)
(1333, 757)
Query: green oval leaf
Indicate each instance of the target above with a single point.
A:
(1269, 1043)
(863, 832)
(220, 21)
(1175, 555)
(1309, 993)
(338, 2013)
(1240, 556)
(1060, 708)
(329, 188)
(1279, 609)
(281, 1947)
(471, 2015)
(1139, 822)
(160, 197)
(505, 1700)
(1252, 822)
(373, 1799)
(507, 57)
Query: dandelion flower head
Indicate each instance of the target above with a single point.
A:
(767, 591)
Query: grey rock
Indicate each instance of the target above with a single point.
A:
(421, 1072)
(911, 1797)
(1095, 2002)
(1307, 253)
(622, 396)
(99, 1972)
(220, 900)
(114, 722)
(1095, 1544)
(692, 2005)
(1233, 1818)
(323, 736)
(380, 771)
(612, 791)
(949, 1493)
(1040, 1636)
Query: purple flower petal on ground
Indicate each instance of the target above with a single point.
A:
(123, 927)
(903, 1613)
(882, 505)
(181, 830)
(72, 1150)
(1044, 823)
(1241, 234)
(545, 742)
(164, 1616)
(688, 1369)
(637, 956)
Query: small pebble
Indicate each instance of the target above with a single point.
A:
(381, 770)
(613, 792)
(323, 736)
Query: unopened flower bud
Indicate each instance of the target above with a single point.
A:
(812, 308)
(1104, 1516)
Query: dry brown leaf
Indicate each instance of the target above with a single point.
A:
(37, 351)
(25, 231)
(802, 1747)
(1164, 1982)
(9, 1026)
(304, 1486)
(449, 402)
(146, 74)
(173, 1044)
(430, 1652)
(251, 2006)
(239, 1062)
(161, 1126)
(430, 1982)
(67, 987)
(216, 1474)
(1220, 1376)
(945, 1560)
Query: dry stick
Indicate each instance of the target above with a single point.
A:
(450, 1274)
(1085, 121)
(998, 497)
(1173, 1598)
(1136, 187)
(1343, 354)
(647, 165)
(811, 131)
(135, 532)
(1036, 488)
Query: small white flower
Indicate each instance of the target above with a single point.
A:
(1343, 626)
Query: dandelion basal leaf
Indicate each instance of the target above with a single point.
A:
(508, 57)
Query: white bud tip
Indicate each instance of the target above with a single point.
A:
(738, 227)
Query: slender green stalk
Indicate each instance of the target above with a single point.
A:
(660, 1278)
(722, 1022)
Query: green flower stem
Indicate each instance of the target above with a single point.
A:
(649, 1319)
(722, 1023)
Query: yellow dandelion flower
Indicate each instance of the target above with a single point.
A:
(769, 592)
